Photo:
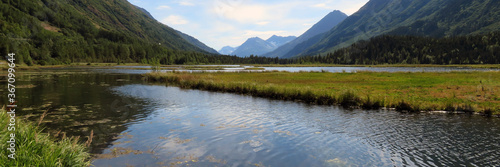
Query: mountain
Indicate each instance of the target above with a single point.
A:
(227, 50)
(436, 18)
(254, 46)
(145, 11)
(279, 41)
(325, 24)
(257, 46)
(197, 43)
(60, 31)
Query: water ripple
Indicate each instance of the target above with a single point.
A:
(246, 131)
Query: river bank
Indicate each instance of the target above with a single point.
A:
(34, 148)
(471, 92)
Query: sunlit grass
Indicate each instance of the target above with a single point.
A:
(34, 148)
(429, 91)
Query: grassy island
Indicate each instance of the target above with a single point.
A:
(473, 92)
(34, 148)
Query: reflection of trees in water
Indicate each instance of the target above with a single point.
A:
(78, 104)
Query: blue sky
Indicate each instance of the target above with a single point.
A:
(219, 23)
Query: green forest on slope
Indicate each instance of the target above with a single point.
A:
(390, 49)
(433, 18)
(61, 32)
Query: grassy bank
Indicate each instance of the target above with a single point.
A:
(452, 91)
(34, 148)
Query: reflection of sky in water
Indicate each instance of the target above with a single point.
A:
(306, 69)
(195, 127)
(213, 129)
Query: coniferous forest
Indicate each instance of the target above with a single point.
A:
(389, 49)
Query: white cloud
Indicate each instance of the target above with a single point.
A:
(163, 7)
(246, 13)
(321, 5)
(249, 14)
(174, 20)
(347, 6)
(262, 23)
(186, 3)
(262, 34)
(307, 24)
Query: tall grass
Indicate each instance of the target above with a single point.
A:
(34, 148)
(410, 92)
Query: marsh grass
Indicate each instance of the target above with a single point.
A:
(405, 91)
(34, 148)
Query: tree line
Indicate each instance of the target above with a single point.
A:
(391, 49)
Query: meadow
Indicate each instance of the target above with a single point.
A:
(470, 92)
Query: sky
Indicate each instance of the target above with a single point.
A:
(219, 23)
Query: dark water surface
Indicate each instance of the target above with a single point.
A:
(142, 124)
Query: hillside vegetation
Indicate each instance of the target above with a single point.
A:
(59, 31)
(389, 49)
(429, 18)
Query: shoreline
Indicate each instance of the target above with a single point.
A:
(49, 150)
(348, 96)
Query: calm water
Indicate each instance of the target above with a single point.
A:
(142, 124)
(233, 68)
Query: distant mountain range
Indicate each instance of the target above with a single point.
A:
(436, 18)
(227, 50)
(314, 33)
(257, 46)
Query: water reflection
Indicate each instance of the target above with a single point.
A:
(191, 127)
(78, 104)
(141, 124)
(305, 69)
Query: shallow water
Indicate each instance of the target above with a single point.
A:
(235, 68)
(142, 124)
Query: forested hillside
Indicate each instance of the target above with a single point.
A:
(60, 31)
(388, 49)
(434, 18)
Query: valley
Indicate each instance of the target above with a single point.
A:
(294, 83)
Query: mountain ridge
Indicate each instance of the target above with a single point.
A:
(227, 50)
(437, 18)
(257, 46)
(326, 23)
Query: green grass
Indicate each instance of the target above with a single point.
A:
(450, 91)
(34, 148)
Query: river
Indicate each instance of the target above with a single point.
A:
(145, 124)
